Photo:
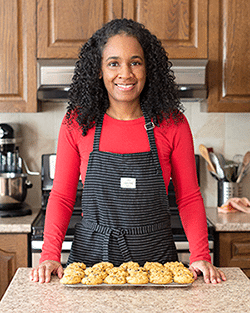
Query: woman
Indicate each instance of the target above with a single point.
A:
(125, 134)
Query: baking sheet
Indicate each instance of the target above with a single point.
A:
(171, 285)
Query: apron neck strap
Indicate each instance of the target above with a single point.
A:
(149, 126)
(98, 131)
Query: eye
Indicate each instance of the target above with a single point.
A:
(113, 64)
(134, 63)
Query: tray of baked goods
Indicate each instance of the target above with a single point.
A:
(105, 274)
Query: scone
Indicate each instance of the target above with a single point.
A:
(183, 278)
(174, 266)
(137, 275)
(115, 279)
(92, 280)
(77, 265)
(72, 272)
(96, 271)
(137, 279)
(127, 265)
(160, 276)
(70, 280)
(103, 265)
(150, 265)
(137, 270)
(116, 271)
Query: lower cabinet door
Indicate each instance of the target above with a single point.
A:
(13, 254)
(234, 250)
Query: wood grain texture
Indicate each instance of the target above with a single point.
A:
(13, 254)
(229, 59)
(63, 26)
(181, 25)
(234, 250)
(18, 56)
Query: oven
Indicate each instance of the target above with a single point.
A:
(47, 175)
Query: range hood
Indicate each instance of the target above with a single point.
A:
(54, 78)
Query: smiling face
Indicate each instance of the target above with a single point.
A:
(123, 70)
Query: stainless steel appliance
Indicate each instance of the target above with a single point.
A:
(13, 182)
(48, 170)
(54, 79)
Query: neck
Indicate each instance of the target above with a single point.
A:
(125, 114)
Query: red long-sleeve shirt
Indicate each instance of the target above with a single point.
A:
(176, 154)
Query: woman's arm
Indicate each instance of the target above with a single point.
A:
(60, 205)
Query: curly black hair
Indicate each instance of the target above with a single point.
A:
(88, 98)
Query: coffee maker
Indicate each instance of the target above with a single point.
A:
(13, 182)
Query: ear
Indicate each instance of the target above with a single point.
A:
(100, 74)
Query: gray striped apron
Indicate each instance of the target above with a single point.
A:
(125, 208)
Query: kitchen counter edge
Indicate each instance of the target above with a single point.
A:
(228, 222)
(19, 224)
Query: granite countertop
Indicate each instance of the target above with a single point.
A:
(228, 222)
(19, 224)
(25, 296)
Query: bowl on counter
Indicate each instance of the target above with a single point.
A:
(13, 189)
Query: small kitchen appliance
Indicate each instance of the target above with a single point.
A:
(47, 176)
(13, 182)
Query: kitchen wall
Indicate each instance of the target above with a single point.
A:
(227, 133)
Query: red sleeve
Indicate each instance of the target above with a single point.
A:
(189, 199)
(62, 197)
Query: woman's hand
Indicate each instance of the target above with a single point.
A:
(42, 272)
(211, 274)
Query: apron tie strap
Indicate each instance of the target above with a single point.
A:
(119, 235)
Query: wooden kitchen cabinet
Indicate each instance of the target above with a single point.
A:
(13, 254)
(234, 250)
(18, 56)
(63, 26)
(229, 59)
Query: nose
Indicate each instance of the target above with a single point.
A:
(125, 72)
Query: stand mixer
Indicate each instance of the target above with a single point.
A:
(13, 182)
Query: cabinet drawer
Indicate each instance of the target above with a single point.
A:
(234, 250)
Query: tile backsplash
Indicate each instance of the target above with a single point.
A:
(227, 133)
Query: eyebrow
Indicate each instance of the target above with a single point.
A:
(116, 58)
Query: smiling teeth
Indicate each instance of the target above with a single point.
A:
(125, 86)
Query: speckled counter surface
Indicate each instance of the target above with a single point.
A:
(19, 224)
(230, 296)
(228, 222)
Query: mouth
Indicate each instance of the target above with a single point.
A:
(126, 87)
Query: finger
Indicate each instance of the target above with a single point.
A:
(192, 270)
(222, 275)
(245, 201)
(214, 275)
(235, 205)
(206, 274)
(35, 275)
(41, 273)
(47, 275)
(217, 275)
(32, 274)
(60, 271)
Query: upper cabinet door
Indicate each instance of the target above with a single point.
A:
(229, 58)
(181, 25)
(63, 26)
(18, 56)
